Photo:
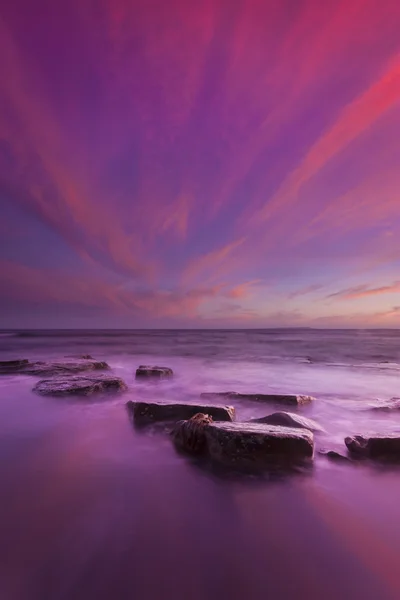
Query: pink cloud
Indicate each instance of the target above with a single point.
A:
(309, 289)
(243, 290)
(352, 121)
(392, 313)
(213, 262)
(21, 283)
(53, 185)
(363, 291)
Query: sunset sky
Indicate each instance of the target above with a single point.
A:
(210, 163)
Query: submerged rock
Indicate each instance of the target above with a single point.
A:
(51, 367)
(393, 404)
(8, 367)
(82, 385)
(148, 371)
(85, 356)
(253, 445)
(190, 435)
(334, 455)
(291, 399)
(382, 446)
(288, 419)
(148, 412)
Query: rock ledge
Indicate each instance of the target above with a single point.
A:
(290, 399)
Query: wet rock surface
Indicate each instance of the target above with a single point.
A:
(287, 419)
(80, 385)
(52, 367)
(189, 436)
(289, 399)
(378, 446)
(149, 412)
(12, 366)
(149, 371)
(254, 446)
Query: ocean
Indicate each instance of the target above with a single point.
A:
(91, 508)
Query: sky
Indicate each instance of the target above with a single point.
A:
(214, 163)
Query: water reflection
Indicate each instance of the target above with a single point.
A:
(93, 509)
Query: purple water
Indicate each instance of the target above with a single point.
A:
(91, 508)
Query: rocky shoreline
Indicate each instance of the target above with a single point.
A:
(211, 430)
(49, 368)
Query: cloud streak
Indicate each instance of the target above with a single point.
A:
(364, 291)
(356, 118)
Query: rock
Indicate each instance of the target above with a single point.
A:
(52, 367)
(148, 412)
(8, 367)
(291, 399)
(393, 404)
(147, 371)
(375, 446)
(84, 356)
(253, 445)
(62, 367)
(82, 385)
(287, 419)
(334, 455)
(190, 435)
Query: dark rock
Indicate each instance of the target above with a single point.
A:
(375, 446)
(8, 367)
(334, 455)
(189, 435)
(63, 367)
(148, 371)
(291, 399)
(52, 367)
(149, 412)
(82, 385)
(287, 419)
(252, 445)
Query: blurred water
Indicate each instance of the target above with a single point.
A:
(91, 508)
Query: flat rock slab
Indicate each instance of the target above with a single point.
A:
(381, 446)
(150, 412)
(253, 445)
(148, 371)
(53, 367)
(13, 366)
(288, 419)
(80, 385)
(289, 399)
